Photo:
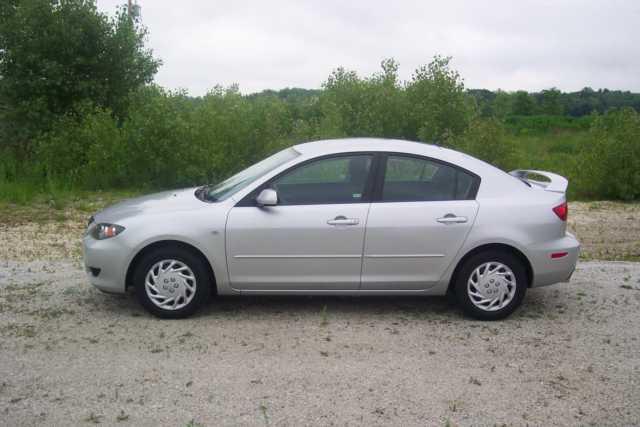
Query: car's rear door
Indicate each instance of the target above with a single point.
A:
(312, 239)
(420, 218)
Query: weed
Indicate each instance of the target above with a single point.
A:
(93, 418)
(324, 317)
(263, 410)
(51, 313)
(474, 381)
(19, 330)
(122, 416)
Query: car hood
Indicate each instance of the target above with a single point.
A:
(157, 203)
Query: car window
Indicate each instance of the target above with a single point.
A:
(416, 179)
(326, 181)
(237, 182)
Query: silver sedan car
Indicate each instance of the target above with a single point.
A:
(342, 217)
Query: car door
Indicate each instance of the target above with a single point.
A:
(420, 217)
(312, 239)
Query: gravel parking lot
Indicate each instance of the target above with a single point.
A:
(71, 355)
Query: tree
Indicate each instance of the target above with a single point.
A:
(373, 106)
(611, 161)
(57, 54)
(502, 104)
(486, 139)
(523, 104)
(440, 108)
(550, 102)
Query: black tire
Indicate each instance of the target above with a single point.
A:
(193, 261)
(463, 276)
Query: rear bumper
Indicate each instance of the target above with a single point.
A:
(548, 270)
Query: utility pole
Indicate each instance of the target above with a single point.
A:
(129, 8)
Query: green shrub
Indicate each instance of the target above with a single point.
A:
(487, 140)
(84, 150)
(167, 140)
(611, 161)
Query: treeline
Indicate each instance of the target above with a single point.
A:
(502, 104)
(89, 118)
(553, 102)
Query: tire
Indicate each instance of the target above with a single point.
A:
(491, 285)
(172, 272)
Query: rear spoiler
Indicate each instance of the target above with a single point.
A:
(556, 183)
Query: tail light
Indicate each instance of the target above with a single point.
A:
(562, 211)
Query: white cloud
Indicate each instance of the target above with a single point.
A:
(499, 44)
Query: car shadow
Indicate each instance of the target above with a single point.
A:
(249, 306)
(440, 308)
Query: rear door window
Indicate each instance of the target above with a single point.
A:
(410, 179)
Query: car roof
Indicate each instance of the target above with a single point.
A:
(329, 146)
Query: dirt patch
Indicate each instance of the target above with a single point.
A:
(70, 355)
(607, 230)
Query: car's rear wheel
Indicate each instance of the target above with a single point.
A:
(491, 285)
(171, 282)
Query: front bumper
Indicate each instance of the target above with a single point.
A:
(548, 270)
(107, 258)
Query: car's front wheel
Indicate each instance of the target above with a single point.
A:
(171, 282)
(491, 285)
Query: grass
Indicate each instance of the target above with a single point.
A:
(57, 195)
(20, 203)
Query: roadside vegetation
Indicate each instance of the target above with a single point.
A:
(89, 118)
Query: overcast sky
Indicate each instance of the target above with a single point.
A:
(507, 44)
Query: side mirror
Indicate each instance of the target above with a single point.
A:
(267, 197)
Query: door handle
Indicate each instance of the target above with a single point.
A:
(452, 219)
(343, 220)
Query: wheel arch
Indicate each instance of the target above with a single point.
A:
(492, 246)
(168, 244)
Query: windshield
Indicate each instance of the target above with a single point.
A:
(226, 188)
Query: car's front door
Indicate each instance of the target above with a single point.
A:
(422, 214)
(312, 239)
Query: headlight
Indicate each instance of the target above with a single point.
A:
(106, 231)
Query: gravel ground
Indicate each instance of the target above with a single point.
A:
(607, 230)
(70, 355)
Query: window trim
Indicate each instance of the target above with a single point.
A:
(250, 198)
(382, 171)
